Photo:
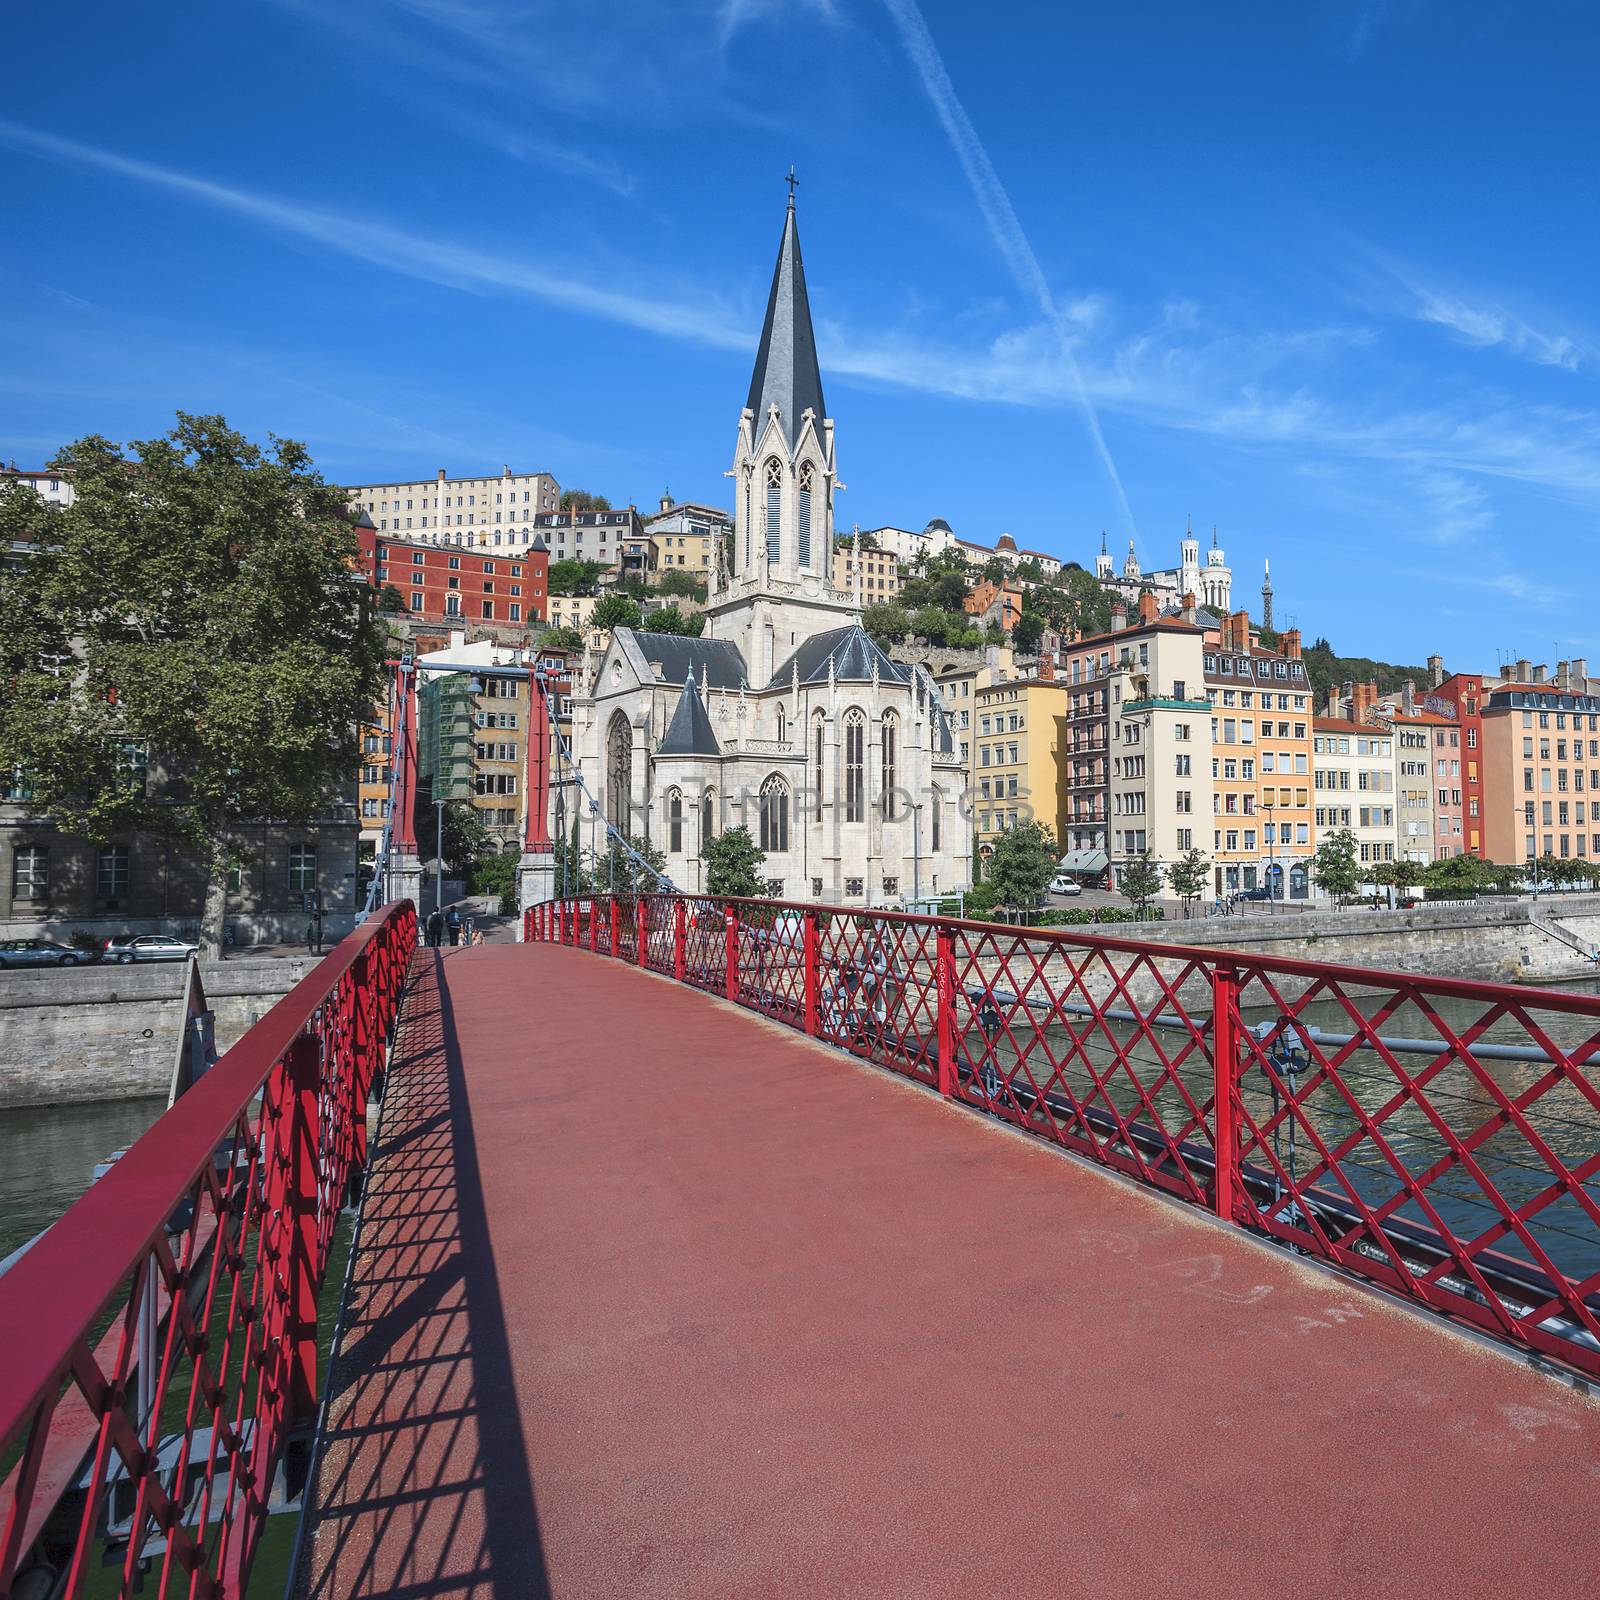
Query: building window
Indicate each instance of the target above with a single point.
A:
(113, 867)
(855, 751)
(619, 770)
(774, 815)
(891, 733)
(817, 734)
(774, 502)
(302, 868)
(675, 822)
(30, 873)
(708, 816)
(806, 478)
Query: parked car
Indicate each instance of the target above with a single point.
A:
(1063, 884)
(149, 947)
(41, 953)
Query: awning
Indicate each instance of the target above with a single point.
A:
(1083, 861)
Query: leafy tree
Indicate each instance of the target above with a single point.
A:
(561, 639)
(496, 874)
(733, 863)
(391, 602)
(667, 619)
(1454, 875)
(1029, 571)
(1022, 861)
(1404, 875)
(628, 861)
(575, 577)
(995, 571)
(582, 500)
(887, 624)
(1189, 875)
(932, 624)
(466, 836)
(199, 596)
(1028, 634)
(681, 583)
(615, 611)
(1139, 879)
(1336, 867)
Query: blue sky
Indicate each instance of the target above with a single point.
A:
(1319, 275)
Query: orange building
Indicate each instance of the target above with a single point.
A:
(992, 602)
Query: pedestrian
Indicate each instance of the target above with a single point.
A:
(453, 923)
(435, 927)
(477, 936)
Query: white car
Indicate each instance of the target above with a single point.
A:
(149, 947)
(1062, 884)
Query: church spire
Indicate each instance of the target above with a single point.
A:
(787, 374)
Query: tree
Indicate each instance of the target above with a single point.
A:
(977, 860)
(1028, 634)
(201, 593)
(629, 861)
(391, 602)
(1139, 879)
(1403, 874)
(1022, 861)
(1188, 875)
(1336, 867)
(733, 863)
(582, 500)
(932, 624)
(666, 619)
(1454, 875)
(887, 624)
(615, 611)
(575, 577)
(466, 836)
(683, 584)
(561, 639)
(496, 874)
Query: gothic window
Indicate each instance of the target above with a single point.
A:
(817, 735)
(774, 502)
(783, 725)
(675, 822)
(774, 815)
(891, 738)
(619, 770)
(935, 818)
(749, 512)
(806, 479)
(708, 816)
(855, 766)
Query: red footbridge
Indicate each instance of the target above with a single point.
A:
(696, 1247)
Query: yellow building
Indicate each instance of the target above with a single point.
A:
(880, 573)
(572, 610)
(683, 536)
(1017, 762)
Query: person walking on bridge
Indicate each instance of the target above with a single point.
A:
(453, 922)
(435, 927)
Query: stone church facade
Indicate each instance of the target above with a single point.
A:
(784, 716)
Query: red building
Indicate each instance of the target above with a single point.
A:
(438, 583)
(1458, 755)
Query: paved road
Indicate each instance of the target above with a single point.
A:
(654, 1299)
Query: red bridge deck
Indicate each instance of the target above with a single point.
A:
(655, 1298)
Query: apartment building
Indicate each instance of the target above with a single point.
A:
(438, 583)
(880, 573)
(1017, 756)
(685, 536)
(54, 488)
(1354, 776)
(960, 674)
(1460, 800)
(988, 602)
(601, 536)
(1006, 549)
(572, 610)
(1541, 764)
(480, 512)
(1261, 725)
(1427, 831)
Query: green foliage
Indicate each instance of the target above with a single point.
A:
(496, 874)
(571, 576)
(615, 611)
(667, 619)
(466, 837)
(582, 500)
(681, 583)
(1072, 600)
(977, 860)
(733, 863)
(201, 593)
(887, 624)
(934, 625)
(1022, 861)
(1336, 866)
(618, 869)
(561, 639)
(1139, 879)
(1028, 634)
(391, 602)
(1325, 670)
(1189, 875)
(1452, 876)
(980, 898)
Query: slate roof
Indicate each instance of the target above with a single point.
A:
(715, 663)
(853, 653)
(787, 373)
(690, 732)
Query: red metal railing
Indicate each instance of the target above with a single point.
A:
(1440, 1138)
(160, 1341)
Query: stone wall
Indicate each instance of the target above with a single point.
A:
(108, 1033)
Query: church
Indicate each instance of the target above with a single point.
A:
(784, 717)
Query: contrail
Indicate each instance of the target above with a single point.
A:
(996, 207)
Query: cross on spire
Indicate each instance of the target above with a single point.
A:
(793, 183)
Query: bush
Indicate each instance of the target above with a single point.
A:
(980, 897)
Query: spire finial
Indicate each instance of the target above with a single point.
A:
(1102, 541)
(793, 183)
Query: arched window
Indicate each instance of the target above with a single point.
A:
(619, 770)
(935, 819)
(806, 480)
(891, 776)
(708, 816)
(783, 725)
(818, 734)
(674, 822)
(774, 505)
(855, 766)
(775, 815)
(749, 512)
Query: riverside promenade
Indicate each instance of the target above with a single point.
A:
(654, 1297)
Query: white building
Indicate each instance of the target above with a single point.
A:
(784, 716)
(482, 513)
(1210, 583)
(55, 488)
(1354, 766)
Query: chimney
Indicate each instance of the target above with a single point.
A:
(441, 474)
(1119, 615)
(1563, 678)
(1538, 673)
(1580, 673)
(1506, 672)
(1241, 632)
(505, 470)
(1524, 670)
(1291, 644)
(1188, 606)
(1408, 697)
(1147, 607)
(1435, 671)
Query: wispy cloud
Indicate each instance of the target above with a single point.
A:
(734, 14)
(1001, 218)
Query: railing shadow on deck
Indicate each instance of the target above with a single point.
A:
(426, 1488)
